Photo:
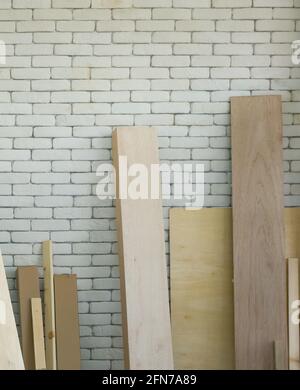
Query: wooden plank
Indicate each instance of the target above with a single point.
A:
(10, 349)
(49, 306)
(143, 271)
(38, 334)
(258, 231)
(292, 232)
(67, 322)
(28, 287)
(293, 295)
(201, 288)
(279, 358)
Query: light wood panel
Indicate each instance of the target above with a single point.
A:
(258, 231)
(38, 334)
(49, 306)
(10, 350)
(293, 295)
(201, 288)
(143, 270)
(28, 287)
(67, 322)
(292, 232)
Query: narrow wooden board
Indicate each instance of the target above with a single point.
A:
(10, 349)
(67, 322)
(201, 288)
(38, 334)
(293, 295)
(143, 269)
(28, 287)
(292, 232)
(258, 231)
(49, 306)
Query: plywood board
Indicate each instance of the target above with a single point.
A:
(258, 231)
(143, 269)
(292, 232)
(38, 334)
(28, 287)
(67, 322)
(49, 306)
(201, 288)
(10, 349)
(293, 296)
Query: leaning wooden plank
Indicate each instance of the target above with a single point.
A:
(279, 358)
(143, 269)
(292, 232)
(49, 306)
(28, 287)
(10, 349)
(38, 334)
(258, 231)
(293, 297)
(67, 322)
(201, 288)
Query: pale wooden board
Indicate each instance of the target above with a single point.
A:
(201, 288)
(10, 349)
(293, 295)
(258, 231)
(143, 270)
(292, 232)
(28, 287)
(38, 334)
(49, 306)
(67, 322)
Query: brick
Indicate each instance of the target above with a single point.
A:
(32, 26)
(235, 25)
(154, 120)
(168, 61)
(125, 85)
(131, 13)
(14, 85)
(52, 131)
(47, 224)
(53, 37)
(30, 73)
(116, 25)
(35, 120)
(111, 4)
(171, 37)
(130, 108)
(252, 37)
(155, 25)
(34, 49)
(51, 61)
(205, 61)
(31, 3)
(90, 85)
(275, 25)
(71, 3)
(252, 13)
(92, 14)
(149, 73)
(130, 61)
(132, 37)
(110, 73)
(178, 84)
(152, 49)
(232, 3)
(16, 14)
(73, 49)
(170, 107)
(52, 14)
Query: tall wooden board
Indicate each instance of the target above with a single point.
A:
(49, 306)
(28, 287)
(258, 231)
(38, 334)
(143, 269)
(67, 322)
(292, 232)
(10, 349)
(201, 288)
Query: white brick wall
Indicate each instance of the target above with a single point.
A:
(75, 69)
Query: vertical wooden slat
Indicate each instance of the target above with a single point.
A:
(10, 350)
(38, 334)
(28, 287)
(258, 231)
(143, 270)
(293, 295)
(67, 322)
(49, 306)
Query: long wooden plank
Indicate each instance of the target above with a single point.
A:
(67, 322)
(38, 334)
(201, 288)
(10, 349)
(292, 232)
(28, 287)
(293, 295)
(49, 306)
(143, 270)
(258, 231)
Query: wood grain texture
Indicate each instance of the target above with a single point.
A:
(28, 287)
(67, 322)
(292, 232)
(49, 306)
(258, 231)
(201, 288)
(293, 295)
(10, 349)
(143, 270)
(38, 334)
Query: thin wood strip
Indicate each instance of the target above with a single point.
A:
(38, 334)
(49, 306)
(67, 322)
(28, 287)
(293, 295)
